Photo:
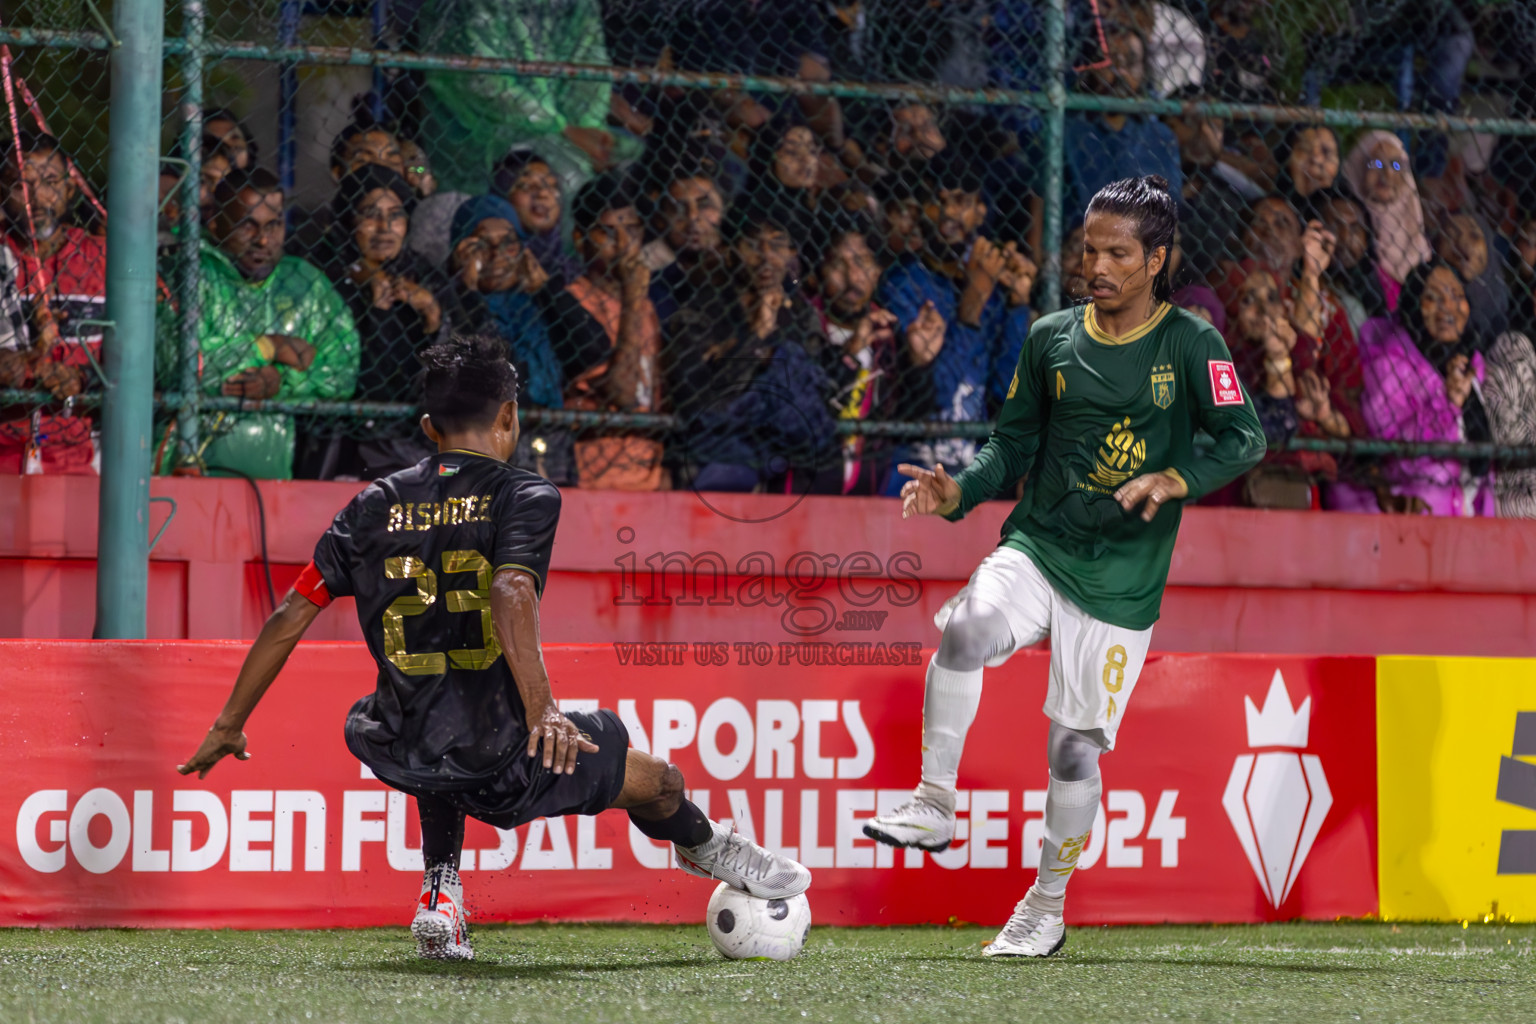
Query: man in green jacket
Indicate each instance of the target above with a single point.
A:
(472, 120)
(271, 327)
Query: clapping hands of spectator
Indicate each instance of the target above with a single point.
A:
(926, 335)
(1314, 402)
(530, 272)
(381, 288)
(13, 368)
(1018, 275)
(876, 325)
(420, 299)
(1317, 246)
(471, 256)
(986, 263)
(61, 380)
(1279, 339)
(1312, 399)
(982, 270)
(1458, 380)
(764, 307)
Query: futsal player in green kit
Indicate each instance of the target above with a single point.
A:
(1101, 420)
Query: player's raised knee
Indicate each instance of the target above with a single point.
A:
(972, 634)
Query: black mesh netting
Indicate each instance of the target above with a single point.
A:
(746, 283)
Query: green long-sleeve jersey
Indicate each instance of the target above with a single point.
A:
(1085, 413)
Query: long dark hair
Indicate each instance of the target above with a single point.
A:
(1147, 201)
(1410, 311)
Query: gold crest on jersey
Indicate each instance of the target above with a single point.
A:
(1162, 385)
(1120, 455)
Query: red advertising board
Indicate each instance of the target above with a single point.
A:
(1242, 789)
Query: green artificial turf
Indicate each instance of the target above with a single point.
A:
(1292, 972)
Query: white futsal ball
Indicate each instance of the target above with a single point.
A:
(744, 927)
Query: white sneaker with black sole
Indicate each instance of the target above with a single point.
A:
(732, 858)
(1035, 929)
(440, 927)
(915, 823)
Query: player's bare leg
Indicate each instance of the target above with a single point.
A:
(1071, 801)
(975, 634)
(440, 927)
(653, 796)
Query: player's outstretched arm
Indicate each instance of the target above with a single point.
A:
(515, 614)
(263, 662)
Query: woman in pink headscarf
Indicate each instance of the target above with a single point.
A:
(1377, 169)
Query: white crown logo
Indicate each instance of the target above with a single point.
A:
(1277, 799)
(1277, 725)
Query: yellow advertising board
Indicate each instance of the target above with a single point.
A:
(1456, 759)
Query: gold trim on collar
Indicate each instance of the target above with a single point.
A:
(1098, 334)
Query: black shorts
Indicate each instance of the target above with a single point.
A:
(527, 790)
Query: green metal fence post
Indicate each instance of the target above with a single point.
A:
(1055, 151)
(122, 571)
(189, 285)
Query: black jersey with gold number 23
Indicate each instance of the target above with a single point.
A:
(418, 550)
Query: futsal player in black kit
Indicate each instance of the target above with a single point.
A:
(447, 561)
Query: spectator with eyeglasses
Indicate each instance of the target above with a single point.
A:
(433, 217)
(1378, 171)
(499, 288)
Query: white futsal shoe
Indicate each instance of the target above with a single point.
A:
(732, 858)
(440, 927)
(915, 823)
(1035, 929)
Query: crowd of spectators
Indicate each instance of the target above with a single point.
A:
(761, 266)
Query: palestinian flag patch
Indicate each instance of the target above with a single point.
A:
(446, 470)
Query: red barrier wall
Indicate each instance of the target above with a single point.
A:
(1241, 579)
(1271, 815)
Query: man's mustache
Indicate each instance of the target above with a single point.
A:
(1105, 282)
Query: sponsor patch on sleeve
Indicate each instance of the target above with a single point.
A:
(1224, 387)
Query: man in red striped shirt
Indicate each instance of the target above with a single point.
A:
(60, 275)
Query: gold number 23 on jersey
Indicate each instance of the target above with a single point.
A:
(408, 567)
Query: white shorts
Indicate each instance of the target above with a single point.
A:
(1094, 666)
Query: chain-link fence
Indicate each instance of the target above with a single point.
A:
(784, 246)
